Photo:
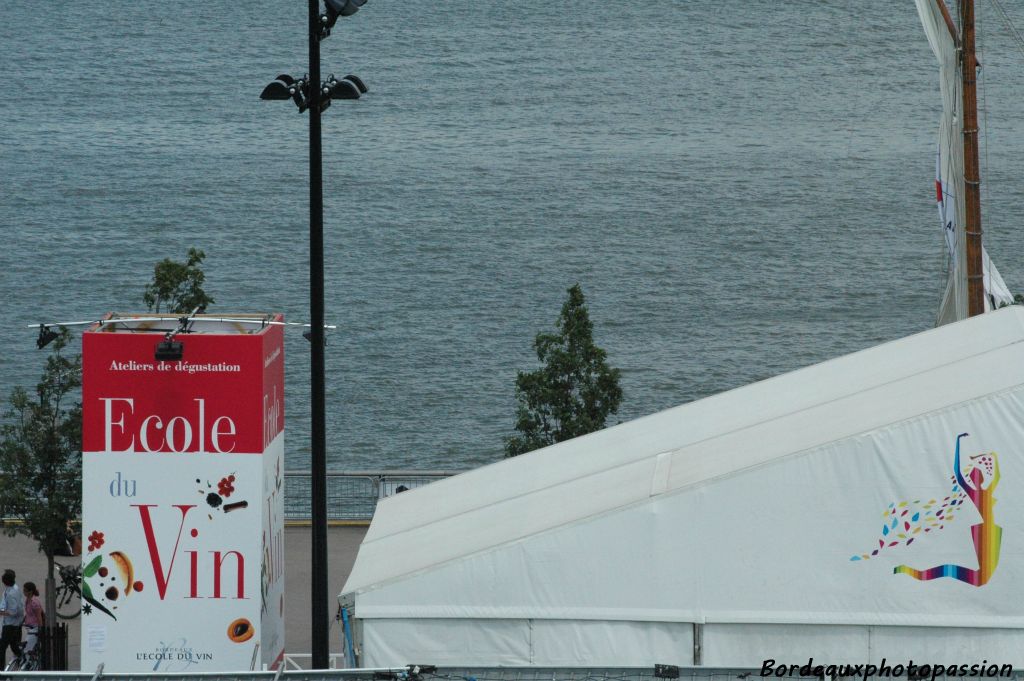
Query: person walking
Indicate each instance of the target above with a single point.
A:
(12, 614)
(34, 616)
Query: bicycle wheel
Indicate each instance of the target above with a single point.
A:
(69, 604)
(31, 663)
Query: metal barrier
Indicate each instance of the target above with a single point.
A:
(426, 673)
(430, 673)
(304, 661)
(352, 496)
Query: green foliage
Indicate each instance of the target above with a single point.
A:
(177, 286)
(1018, 299)
(41, 454)
(573, 393)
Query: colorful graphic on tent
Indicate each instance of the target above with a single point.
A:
(906, 521)
(987, 536)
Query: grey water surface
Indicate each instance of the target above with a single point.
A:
(742, 188)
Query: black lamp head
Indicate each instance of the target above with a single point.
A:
(358, 81)
(46, 336)
(335, 9)
(169, 351)
(276, 90)
(343, 89)
(286, 87)
(342, 8)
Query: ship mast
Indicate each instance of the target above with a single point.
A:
(972, 179)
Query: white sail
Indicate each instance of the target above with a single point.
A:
(949, 174)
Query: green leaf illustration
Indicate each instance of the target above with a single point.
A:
(98, 606)
(93, 566)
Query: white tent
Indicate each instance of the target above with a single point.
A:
(763, 522)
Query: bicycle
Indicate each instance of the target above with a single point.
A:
(25, 661)
(69, 592)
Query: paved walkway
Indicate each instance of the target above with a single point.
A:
(20, 554)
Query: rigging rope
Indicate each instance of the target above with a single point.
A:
(983, 84)
(1005, 16)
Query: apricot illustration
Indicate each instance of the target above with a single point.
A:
(241, 630)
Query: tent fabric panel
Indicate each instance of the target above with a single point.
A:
(749, 645)
(771, 545)
(951, 645)
(833, 422)
(509, 519)
(583, 643)
(572, 573)
(523, 642)
(566, 643)
(449, 642)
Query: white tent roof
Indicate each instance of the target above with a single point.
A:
(713, 438)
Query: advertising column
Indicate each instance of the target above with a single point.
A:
(182, 506)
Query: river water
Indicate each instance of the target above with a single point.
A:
(741, 188)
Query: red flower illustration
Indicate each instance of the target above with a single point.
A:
(226, 487)
(95, 540)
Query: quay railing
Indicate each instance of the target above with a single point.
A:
(352, 496)
(427, 673)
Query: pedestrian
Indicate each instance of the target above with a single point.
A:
(12, 614)
(34, 616)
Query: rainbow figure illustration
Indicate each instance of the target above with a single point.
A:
(907, 521)
(987, 535)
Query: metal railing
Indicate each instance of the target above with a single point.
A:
(425, 673)
(352, 496)
(430, 673)
(304, 661)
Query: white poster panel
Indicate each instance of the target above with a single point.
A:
(175, 547)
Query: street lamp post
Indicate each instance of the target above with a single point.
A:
(312, 94)
(319, 623)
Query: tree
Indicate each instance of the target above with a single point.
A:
(41, 458)
(573, 393)
(178, 286)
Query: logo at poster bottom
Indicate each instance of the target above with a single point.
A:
(176, 656)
